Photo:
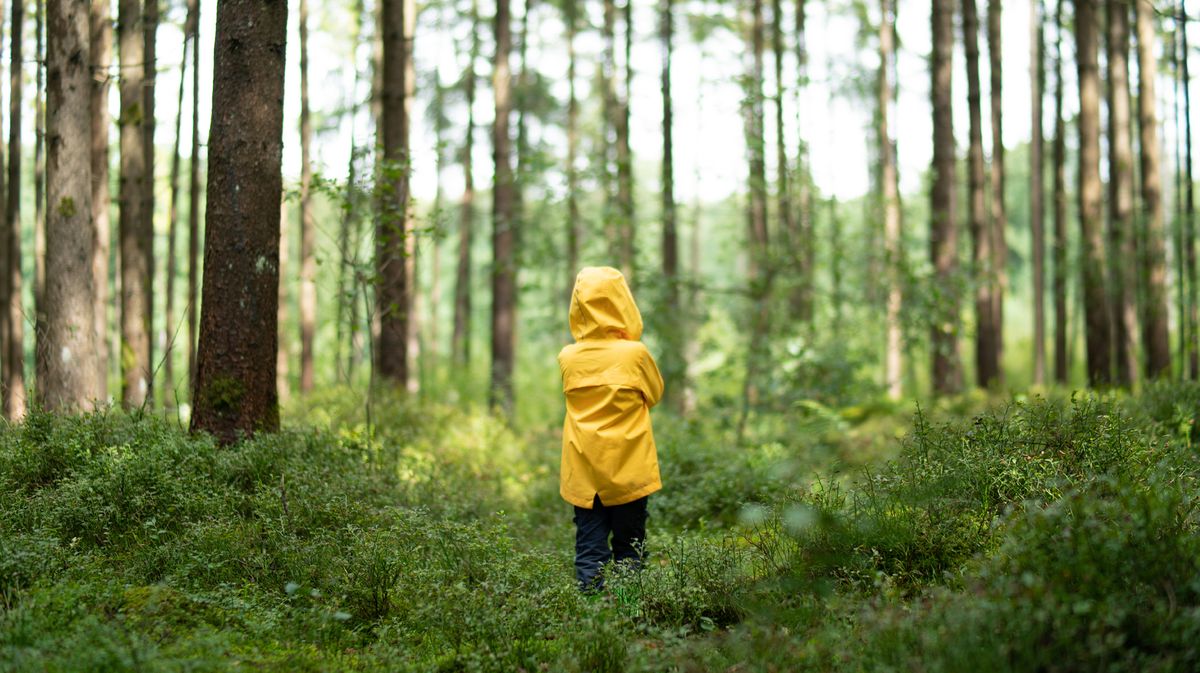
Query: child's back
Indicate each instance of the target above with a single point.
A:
(610, 382)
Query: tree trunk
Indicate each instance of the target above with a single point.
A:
(39, 207)
(308, 237)
(1122, 245)
(391, 234)
(1061, 362)
(1095, 299)
(573, 223)
(235, 378)
(283, 383)
(888, 184)
(347, 244)
(135, 257)
(784, 194)
(943, 234)
(194, 198)
(1037, 188)
(101, 49)
(672, 362)
(998, 276)
(987, 365)
(5, 225)
(68, 354)
(1189, 217)
(612, 122)
(172, 222)
(14, 337)
(150, 69)
(412, 313)
(460, 346)
(1155, 333)
(504, 271)
(801, 247)
(628, 251)
(1181, 294)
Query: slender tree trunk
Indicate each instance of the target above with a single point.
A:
(39, 204)
(1061, 362)
(283, 383)
(461, 339)
(801, 236)
(1189, 220)
(1155, 333)
(784, 194)
(1037, 188)
(235, 378)
(573, 224)
(172, 222)
(101, 49)
(392, 300)
(986, 363)
(1181, 294)
(1122, 245)
(193, 7)
(892, 241)
(672, 361)
(1095, 299)
(612, 123)
(997, 226)
(150, 68)
(14, 320)
(6, 225)
(135, 257)
(628, 248)
(504, 271)
(68, 354)
(347, 251)
(943, 234)
(308, 237)
(430, 364)
(412, 381)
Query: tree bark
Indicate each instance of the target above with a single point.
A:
(612, 122)
(150, 67)
(460, 346)
(504, 271)
(801, 246)
(194, 198)
(783, 192)
(283, 350)
(1155, 332)
(308, 238)
(412, 381)
(101, 49)
(1122, 245)
(888, 184)
(573, 223)
(68, 353)
(673, 368)
(14, 320)
(39, 204)
(6, 224)
(1037, 188)
(628, 248)
(135, 253)
(1095, 299)
(987, 364)
(943, 234)
(347, 287)
(235, 374)
(391, 234)
(998, 276)
(1061, 361)
(1189, 215)
(172, 235)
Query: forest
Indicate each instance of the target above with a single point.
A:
(282, 287)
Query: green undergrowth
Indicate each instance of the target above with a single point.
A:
(1004, 535)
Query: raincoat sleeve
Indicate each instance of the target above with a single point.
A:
(651, 379)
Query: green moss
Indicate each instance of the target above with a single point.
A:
(224, 394)
(66, 207)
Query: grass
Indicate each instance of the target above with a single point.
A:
(1010, 535)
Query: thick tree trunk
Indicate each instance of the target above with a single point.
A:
(172, 234)
(135, 255)
(998, 224)
(460, 347)
(1061, 361)
(68, 353)
(235, 378)
(13, 356)
(308, 236)
(1155, 333)
(987, 364)
(101, 48)
(194, 198)
(1095, 299)
(672, 362)
(391, 234)
(1122, 245)
(504, 271)
(943, 234)
(892, 242)
(1037, 188)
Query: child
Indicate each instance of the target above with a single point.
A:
(609, 463)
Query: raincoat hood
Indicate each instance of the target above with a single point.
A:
(602, 307)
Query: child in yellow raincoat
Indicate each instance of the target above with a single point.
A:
(609, 462)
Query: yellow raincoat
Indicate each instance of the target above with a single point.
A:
(610, 381)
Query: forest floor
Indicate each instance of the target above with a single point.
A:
(984, 535)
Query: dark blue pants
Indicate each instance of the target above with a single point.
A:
(627, 526)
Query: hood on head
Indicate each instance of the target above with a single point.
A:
(602, 307)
